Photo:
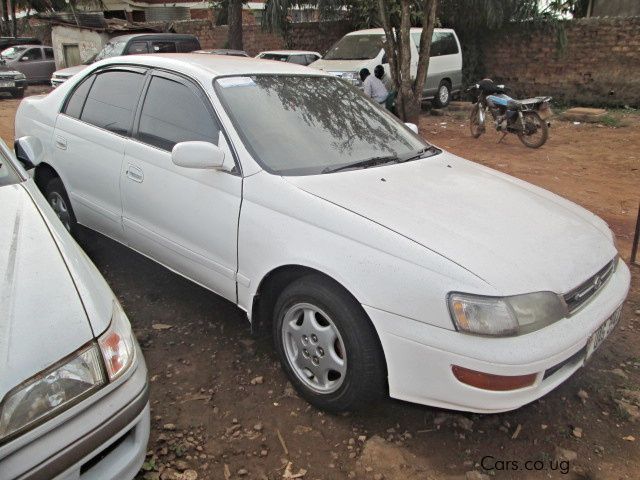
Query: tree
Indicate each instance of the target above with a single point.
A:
(235, 25)
(397, 26)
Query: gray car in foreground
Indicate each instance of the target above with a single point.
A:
(73, 382)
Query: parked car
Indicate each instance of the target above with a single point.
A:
(365, 49)
(300, 57)
(224, 51)
(369, 252)
(12, 82)
(136, 43)
(73, 388)
(34, 61)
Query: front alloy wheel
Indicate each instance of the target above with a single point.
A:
(57, 197)
(327, 345)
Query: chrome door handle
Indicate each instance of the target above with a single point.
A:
(135, 174)
(61, 142)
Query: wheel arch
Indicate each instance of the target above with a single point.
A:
(43, 174)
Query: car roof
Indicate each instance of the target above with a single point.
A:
(196, 64)
(152, 36)
(380, 31)
(29, 45)
(289, 52)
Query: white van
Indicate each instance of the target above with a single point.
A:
(364, 49)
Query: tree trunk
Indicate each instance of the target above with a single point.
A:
(398, 49)
(235, 25)
(14, 21)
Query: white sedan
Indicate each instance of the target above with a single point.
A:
(383, 265)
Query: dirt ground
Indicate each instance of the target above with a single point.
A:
(223, 409)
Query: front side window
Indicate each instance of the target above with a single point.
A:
(356, 47)
(275, 56)
(112, 100)
(75, 103)
(186, 46)
(31, 55)
(163, 47)
(306, 125)
(174, 113)
(299, 59)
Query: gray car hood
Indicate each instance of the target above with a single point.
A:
(42, 319)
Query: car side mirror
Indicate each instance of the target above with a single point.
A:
(413, 127)
(197, 155)
(29, 151)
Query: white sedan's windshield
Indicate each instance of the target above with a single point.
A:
(305, 125)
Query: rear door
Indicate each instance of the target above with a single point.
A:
(444, 62)
(184, 218)
(89, 138)
(31, 63)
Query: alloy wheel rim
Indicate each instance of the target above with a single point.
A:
(314, 348)
(444, 93)
(60, 209)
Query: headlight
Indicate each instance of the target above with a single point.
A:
(51, 391)
(352, 77)
(117, 344)
(505, 316)
(20, 76)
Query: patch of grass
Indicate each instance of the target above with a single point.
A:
(612, 120)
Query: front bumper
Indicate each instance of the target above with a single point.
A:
(420, 356)
(16, 85)
(103, 437)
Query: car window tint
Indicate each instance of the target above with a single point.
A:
(112, 100)
(33, 54)
(48, 53)
(443, 43)
(299, 59)
(76, 101)
(163, 47)
(186, 46)
(138, 47)
(311, 58)
(173, 113)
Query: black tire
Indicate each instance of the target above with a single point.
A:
(439, 101)
(365, 379)
(474, 124)
(18, 93)
(537, 131)
(57, 197)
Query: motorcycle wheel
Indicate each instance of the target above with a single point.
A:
(474, 122)
(535, 132)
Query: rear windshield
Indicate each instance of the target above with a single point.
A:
(356, 47)
(8, 175)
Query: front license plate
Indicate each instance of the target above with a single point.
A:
(603, 332)
(7, 84)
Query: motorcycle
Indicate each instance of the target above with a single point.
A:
(526, 118)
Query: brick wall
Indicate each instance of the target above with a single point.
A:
(316, 36)
(600, 64)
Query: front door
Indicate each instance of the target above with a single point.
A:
(89, 139)
(184, 218)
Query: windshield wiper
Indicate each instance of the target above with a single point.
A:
(419, 154)
(366, 163)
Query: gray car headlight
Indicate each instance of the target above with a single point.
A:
(20, 76)
(52, 391)
(505, 316)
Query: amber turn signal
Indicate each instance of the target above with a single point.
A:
(488, 381)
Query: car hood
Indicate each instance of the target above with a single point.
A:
(70, 71)
(516, 237)
(339, 65)
(42, 319)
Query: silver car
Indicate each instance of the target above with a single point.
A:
(73, 382)
(34, 61)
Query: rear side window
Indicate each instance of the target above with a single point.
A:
(174, 113)
(299, 59)
(78, 97)
(163, 47)
(112, 100)
(48, 53)
(443, 43)
(311, 58)
(32, 54)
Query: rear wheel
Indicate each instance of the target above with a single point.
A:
(535, 132)
(57, 197)
(475, 126)
(443, 95)
(327, 345)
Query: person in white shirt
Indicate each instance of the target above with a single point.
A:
(373, 86)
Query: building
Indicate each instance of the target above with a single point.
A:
(613, 8)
